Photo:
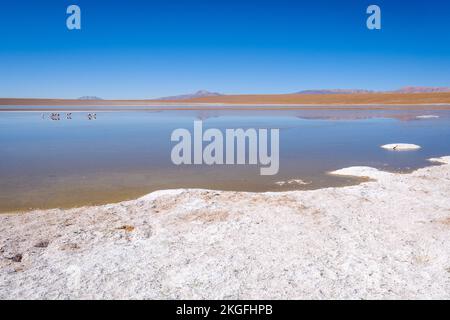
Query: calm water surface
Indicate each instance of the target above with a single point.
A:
(123, 155)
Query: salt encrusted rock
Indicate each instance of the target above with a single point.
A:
(42, 244)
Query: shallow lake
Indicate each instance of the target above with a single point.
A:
(121, 155)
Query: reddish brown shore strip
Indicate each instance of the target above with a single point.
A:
(372, 101)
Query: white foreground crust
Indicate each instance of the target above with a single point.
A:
(384, 239)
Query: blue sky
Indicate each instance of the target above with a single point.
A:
(147, 49)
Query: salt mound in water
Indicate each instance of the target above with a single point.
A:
(427, 116)
(400, 146)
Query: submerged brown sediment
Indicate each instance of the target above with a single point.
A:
(73, 192)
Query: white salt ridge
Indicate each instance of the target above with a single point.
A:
(362, 172)
(444, 160)
(388, 238)
(401, 146)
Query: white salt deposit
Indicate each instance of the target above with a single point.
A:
(400, 146)
(292, 182)
(444, 160)
(427, 116)
(386, 238)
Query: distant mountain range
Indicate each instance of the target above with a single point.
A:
(356, 91)
(89, 98)
(204, 93)
(198, 94)
(334, 91)
(422, 89)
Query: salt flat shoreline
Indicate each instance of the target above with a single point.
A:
(386, 238)
(220, 106)
(386, 98)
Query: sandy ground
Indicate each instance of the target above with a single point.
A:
(386, 238)
(436, 100)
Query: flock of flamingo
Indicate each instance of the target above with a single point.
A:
(56, 116)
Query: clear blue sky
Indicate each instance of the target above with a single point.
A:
(146, 49)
